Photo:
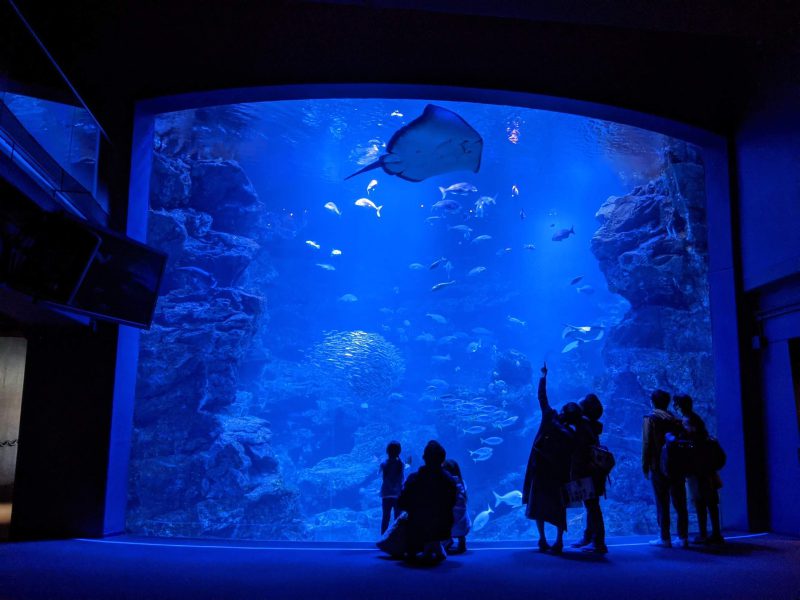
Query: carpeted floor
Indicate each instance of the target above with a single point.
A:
(762, 567)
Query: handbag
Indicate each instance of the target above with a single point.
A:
(395, 539)
(601, 460)
(578, 490)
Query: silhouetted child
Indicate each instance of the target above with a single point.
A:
(461, 521)
(393, 472)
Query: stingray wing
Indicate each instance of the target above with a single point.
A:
(438, 141)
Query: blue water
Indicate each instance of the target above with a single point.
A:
(342, 358)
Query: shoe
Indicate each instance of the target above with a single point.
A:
(557, 548)
(715, 539)
(661, 543)
(580, 544)
(595, 548)
(543, 546)
(700, 539)
(682, 542)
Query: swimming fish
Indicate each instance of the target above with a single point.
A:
(481, 454)
(482, 519)
(576, 280)
(371, 185)
(437, 262)
(585, 289)
(336, 252)
(348, 298)
(437, 318)
(481, 331)
(571, 346)
(522, 214)
(447, 205)
(581, 328)
(516, 321)
(326, 267)
(440, 358)
(473, 346)
(563, 234)
(433, 219)
(425, 337)
(481, 238)
(482, 202)
(512, 499)
(313, 244)
(474, 430)
(463, 229)
(460, 189)
(492, 441)
(396, 113)
(444, 284)
(438, 141)
(506, 423)
(529, 247)
(367, 203)
(514, 191)
(503, 251)
(476, 271)
(333, 208)
(416, 266)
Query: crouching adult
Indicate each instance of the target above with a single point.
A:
(428, 497)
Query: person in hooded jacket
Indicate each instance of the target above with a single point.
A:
(587, 435)
(549, 467)
(428, 497)
(655, 428)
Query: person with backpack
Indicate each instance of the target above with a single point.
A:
(704, 481)
(671, 485)
(587, 443)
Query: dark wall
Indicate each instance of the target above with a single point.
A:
(64, 433)
(117, 53)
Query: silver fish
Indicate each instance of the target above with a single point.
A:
(476, 271)
(492, 441)
(482, 519)
(512, 499)
(461, 189)
(444, 284)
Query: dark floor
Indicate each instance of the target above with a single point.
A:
(763, 566)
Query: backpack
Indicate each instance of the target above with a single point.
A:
(678, 457)
(711, 457)
(601, 460)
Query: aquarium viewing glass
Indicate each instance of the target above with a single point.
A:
(306, 320)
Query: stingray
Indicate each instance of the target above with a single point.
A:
(439, 141)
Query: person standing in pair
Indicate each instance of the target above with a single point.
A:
(655, 428)
(587, 437)
(549, 466)
(704, 482)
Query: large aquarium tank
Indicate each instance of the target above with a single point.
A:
(307, 319)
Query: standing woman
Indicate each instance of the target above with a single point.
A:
(549, 466)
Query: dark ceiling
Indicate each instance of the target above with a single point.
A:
(697, 62)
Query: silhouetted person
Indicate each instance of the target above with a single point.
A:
(428, 497)
(704, 481)
(655, 428)
(587, 435)
(461, 521)
(392, 472)
(549, 467)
